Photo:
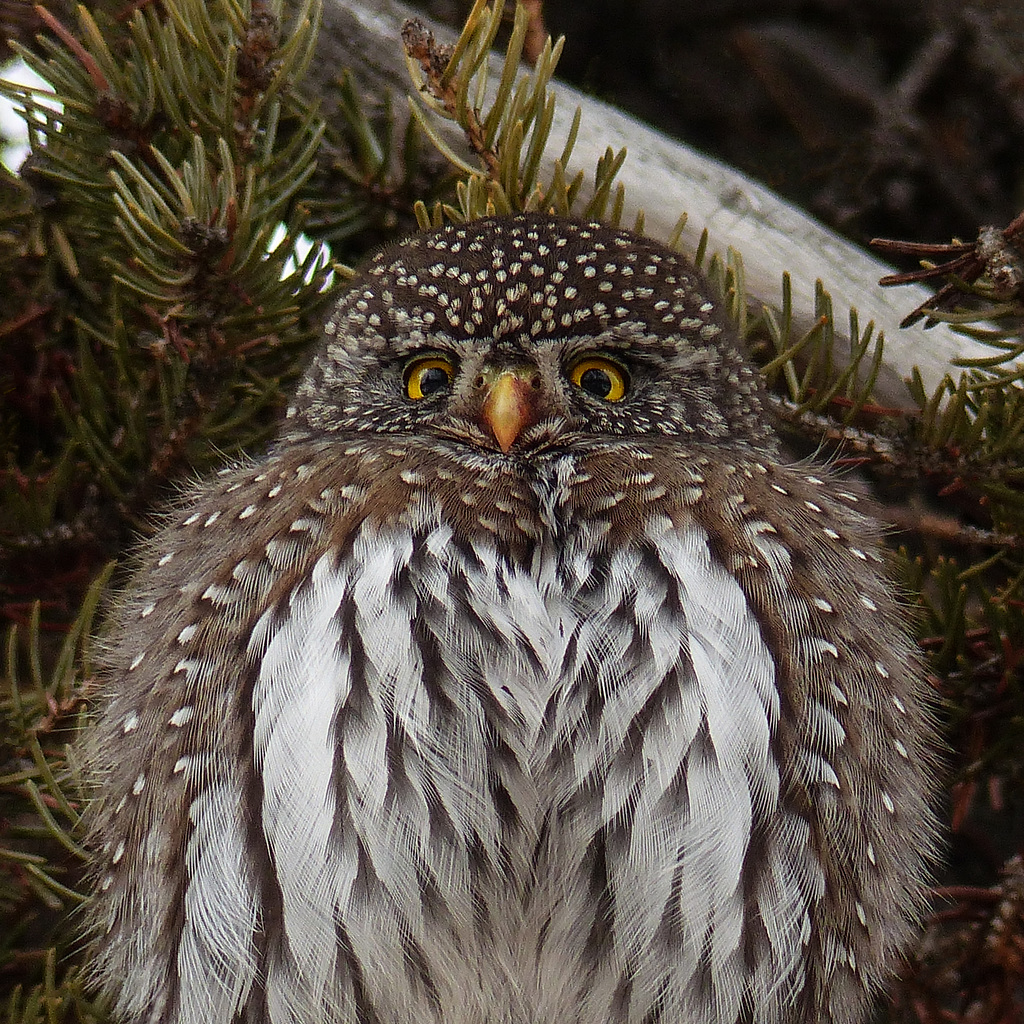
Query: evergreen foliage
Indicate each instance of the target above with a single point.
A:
(147, 330)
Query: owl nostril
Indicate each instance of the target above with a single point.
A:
(479, 382)
(535, 382)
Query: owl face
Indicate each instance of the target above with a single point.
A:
(527, 332)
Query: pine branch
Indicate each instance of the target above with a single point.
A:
(146, 331)
(41, 793)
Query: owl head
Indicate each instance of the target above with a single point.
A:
(521, 332)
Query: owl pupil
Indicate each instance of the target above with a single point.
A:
(432, 380)
(596, 382)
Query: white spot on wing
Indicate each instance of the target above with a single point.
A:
(182, 716)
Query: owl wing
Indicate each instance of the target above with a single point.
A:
(744, 714)
(262, 832)
(186, 890)
(854, 734)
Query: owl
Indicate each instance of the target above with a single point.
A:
(523, 681)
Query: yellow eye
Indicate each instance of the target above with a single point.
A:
(600, 377)
(427, 375)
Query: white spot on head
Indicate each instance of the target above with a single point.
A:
(887, 803)
(147, 611)
(131, 723)
(821, 604)
(211, 519)
(882, 670)
(871, 854)
(187, 633)
(118, 853)
(136, 661)
(868, 603)
(166, 559)
(180, 765)
(140, 785)
(899, 705)
(857, 553)
(247, 511)
(194, 518)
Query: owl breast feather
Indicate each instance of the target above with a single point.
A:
(532, 786)
(573, 749)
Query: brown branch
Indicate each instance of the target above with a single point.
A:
(433, 58)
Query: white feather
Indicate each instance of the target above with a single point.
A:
(303, 681)
(216, 955)
(369, 796)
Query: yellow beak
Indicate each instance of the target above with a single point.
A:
(509, 407)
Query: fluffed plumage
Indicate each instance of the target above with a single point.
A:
(491, 695)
